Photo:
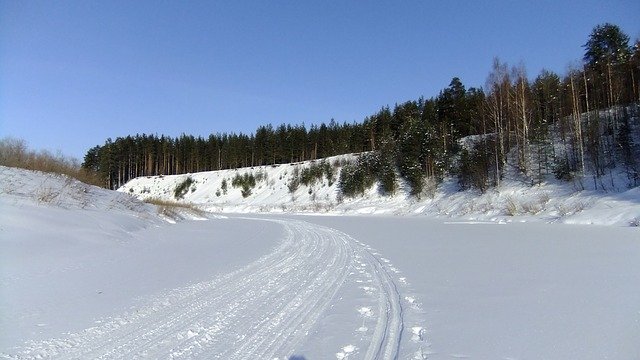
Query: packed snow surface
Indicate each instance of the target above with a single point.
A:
(91, 273)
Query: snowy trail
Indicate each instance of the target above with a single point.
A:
(265, 310)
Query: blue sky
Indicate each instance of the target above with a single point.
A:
(73, 73)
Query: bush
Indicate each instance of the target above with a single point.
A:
(413, 175)
(387, 179)
(246, 182)
(310, 175)
(316, 172)
(562, 170)
(224, 186)
(474, 167)
(356, 178)
(182, 188)
(294, 181)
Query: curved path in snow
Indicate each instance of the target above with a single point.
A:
(265, 310)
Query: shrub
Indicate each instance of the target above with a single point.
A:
(562, 170)
(294, 181)
(355, 179)
(310, 175)
(224, 186)
(182, 188)
(511, 207)
(474, 167)
(387, 179)
(246, 182)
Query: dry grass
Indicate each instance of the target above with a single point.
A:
(511, 207)
(47, 195)
(15, 153)
(171, 208)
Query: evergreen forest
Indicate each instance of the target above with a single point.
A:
(577, 125)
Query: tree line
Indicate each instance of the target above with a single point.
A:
(570, 125)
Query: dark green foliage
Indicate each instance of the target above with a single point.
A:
(387, 178)
(294, 182)
(182, 188)
(310, 175)
(538, 121)
(316, 172)
(356, 178)
(607, 45)
(246, 182)
(475, 165)
(224, 186)
(563, 170)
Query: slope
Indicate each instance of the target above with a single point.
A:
(274, 192)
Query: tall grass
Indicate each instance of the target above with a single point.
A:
(15, 153)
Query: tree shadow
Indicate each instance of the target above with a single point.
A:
(297, 357)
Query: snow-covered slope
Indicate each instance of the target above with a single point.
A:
(513, 200)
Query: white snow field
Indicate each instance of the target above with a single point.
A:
(88, 273)
(514, 291)
(110, 281)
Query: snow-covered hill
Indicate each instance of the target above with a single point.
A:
(513, 200)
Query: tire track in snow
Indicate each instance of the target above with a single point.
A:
(262, 311)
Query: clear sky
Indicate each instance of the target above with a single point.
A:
(73, 73)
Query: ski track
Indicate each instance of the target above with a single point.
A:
(262, 311)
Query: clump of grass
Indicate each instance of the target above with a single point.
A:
(169, 208)
(47, 195)
(511, 206)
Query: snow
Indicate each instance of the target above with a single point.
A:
(518, 290)
(513, 201)
(65, 267)
(91, 273)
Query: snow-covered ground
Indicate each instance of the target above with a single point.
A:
(91, 273)
(514, 291)
(513, 201)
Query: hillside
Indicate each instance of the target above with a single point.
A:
(513, 200)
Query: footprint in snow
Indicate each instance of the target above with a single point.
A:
(417, 333)
(413, 302)
(346, 351)
(365, 311)
(368, 289)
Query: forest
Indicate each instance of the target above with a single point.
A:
(579, 125)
